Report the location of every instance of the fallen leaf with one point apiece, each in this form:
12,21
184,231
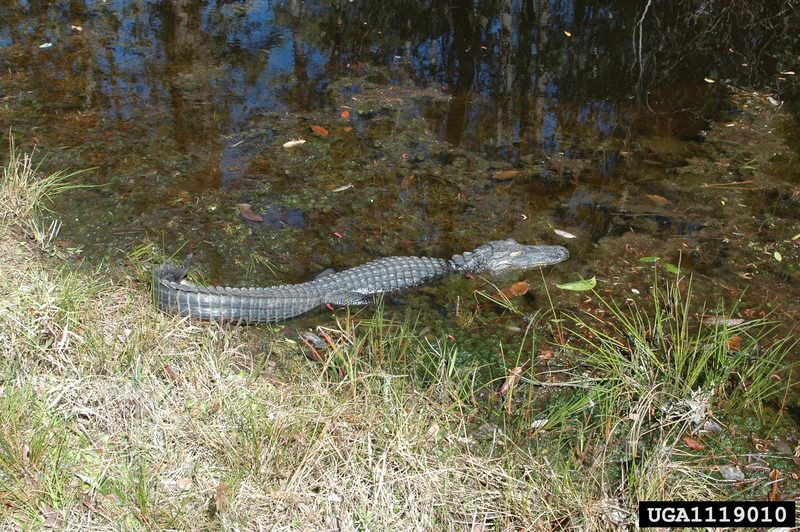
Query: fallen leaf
693,444
568,34
777,256
659,199
731,472
559,232
579,286
545,355
294,142
505,174
511,380
773,492
221,496
51,517
406,181
795,237
708,80
343,188
247,213
184,483
735,343
319,130
345,114
347,129
517,289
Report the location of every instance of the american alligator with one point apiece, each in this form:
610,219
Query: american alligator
356,286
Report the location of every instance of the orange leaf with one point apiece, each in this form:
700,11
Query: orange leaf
735,343
319,130
517,289
659,199
345,114
247,213
505,174
773,493
693,444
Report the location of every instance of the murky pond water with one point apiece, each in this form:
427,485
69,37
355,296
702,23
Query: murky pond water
430,128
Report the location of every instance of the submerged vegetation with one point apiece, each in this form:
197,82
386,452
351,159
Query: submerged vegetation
113,414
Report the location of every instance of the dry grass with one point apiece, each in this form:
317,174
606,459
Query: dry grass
113,416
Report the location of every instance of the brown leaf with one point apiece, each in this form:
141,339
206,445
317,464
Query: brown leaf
407,180
247,213
517,289
545,355
347,129
693,444
319,130
221,496
184,483
511,380
735,343
505,174
51,517
773,493
659,199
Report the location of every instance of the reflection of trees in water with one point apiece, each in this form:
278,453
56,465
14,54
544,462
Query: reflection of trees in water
514,73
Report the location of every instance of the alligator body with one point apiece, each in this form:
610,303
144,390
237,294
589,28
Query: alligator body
356,286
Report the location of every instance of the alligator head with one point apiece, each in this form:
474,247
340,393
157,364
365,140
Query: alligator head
501,256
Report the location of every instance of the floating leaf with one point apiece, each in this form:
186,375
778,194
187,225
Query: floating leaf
247,213
319,130
517,289
559,232
693,444
659,199
505,174
345,114
671,268
728,322
294,142
649,260
579,286
777,256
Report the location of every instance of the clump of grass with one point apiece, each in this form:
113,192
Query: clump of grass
644,380
26,193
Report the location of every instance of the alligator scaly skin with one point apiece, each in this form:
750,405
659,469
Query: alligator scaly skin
356,286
